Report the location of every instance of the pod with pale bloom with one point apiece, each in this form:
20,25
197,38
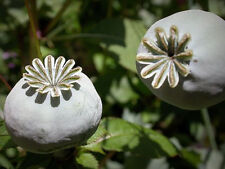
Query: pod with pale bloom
181,59
54,106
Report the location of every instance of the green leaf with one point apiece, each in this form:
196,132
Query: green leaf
1,114
2,101
47,51
11,152
53,6
5,163
98,60
5,139
132,117
19,15
217,7
97,137
121,135
121,91
87,160
122,37
192,157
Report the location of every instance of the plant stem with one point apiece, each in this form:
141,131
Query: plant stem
105,159
190,4
209,128
86,35
31,12
57,17
109,10
5,82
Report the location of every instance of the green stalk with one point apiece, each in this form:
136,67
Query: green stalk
31,13
4,81
109,10
209,129
190,4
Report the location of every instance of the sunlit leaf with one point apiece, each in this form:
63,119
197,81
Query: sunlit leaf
191,157
2,101
121,91
87,160
125,136
217,7
19,15
5,139
92,143
5,163
122,37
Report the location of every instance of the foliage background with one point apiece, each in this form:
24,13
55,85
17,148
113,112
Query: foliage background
103,36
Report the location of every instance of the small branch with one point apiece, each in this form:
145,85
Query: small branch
190,4
86,35
105,159
57,17
5,82
30,10
109,10
209,128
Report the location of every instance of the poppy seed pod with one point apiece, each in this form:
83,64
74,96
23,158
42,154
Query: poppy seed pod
54,106
181,59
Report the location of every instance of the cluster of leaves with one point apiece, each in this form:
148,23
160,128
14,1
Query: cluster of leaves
137,130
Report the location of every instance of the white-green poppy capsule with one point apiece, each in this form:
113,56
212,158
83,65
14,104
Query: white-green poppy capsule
54,106
181,59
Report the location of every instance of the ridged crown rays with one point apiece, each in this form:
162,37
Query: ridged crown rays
166,57
53,76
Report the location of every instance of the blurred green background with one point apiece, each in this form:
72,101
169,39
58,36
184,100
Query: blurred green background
103,36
